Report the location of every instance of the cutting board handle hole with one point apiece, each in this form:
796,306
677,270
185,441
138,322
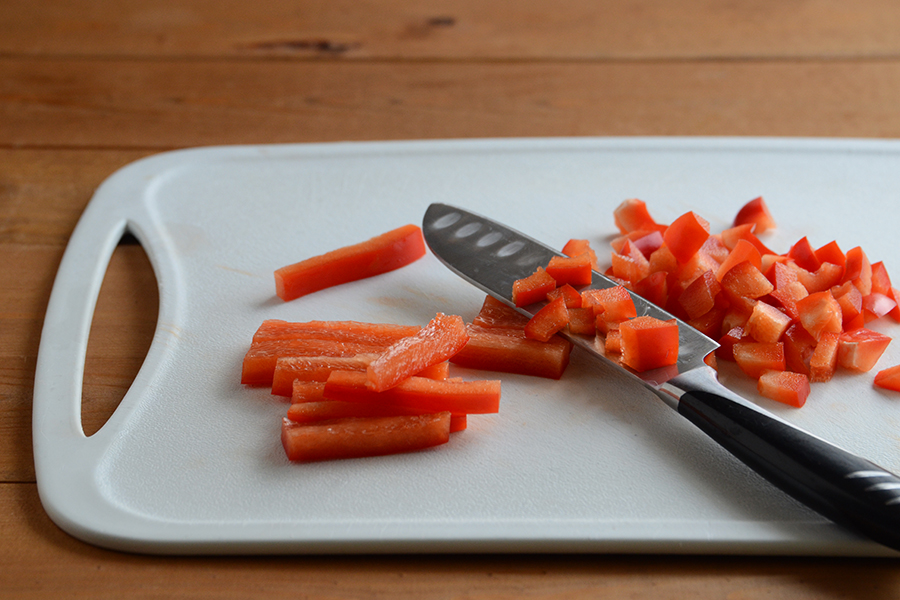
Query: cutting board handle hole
121,331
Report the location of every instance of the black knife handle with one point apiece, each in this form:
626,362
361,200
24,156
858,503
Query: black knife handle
841,486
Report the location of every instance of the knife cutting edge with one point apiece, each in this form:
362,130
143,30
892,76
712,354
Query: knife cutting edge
839,485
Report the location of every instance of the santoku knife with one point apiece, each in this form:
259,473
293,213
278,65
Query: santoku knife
841,486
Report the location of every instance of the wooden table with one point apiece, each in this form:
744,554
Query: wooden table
89,86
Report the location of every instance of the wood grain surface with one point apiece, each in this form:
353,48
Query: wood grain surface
87,87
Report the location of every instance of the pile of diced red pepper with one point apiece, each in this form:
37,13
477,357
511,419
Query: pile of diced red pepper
786,319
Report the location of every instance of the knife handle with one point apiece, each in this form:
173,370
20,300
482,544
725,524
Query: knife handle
841,486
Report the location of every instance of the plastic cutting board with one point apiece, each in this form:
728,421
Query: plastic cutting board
191,460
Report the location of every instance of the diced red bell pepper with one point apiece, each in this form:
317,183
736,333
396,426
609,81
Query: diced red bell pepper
757,214
571,296
895,296
381,254
881,281
725,351
781,275
699,297
824,360
443,337
860,349
662,260
363,437
798,348
614,303
877,305
686,235
820,313
745,280
632,215
576,247
548,321
743,251
889,378
831,253
754,358
731,236
858,269
788,296
613,342
708,258
710,323
766,323
649,343
631,265
825,277
582,321
850,300
804,255
654,288
575,270
646,242
785,387
533,288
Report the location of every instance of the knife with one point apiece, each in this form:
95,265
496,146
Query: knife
839,485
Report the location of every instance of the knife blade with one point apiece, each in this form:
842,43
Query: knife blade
843,487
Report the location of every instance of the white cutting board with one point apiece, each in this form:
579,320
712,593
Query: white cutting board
191,460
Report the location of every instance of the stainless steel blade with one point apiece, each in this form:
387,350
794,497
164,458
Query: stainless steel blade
493,256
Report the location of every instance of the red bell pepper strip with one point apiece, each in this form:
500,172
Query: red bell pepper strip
259,363
507,350
307,391
444,336
314,412
362,437
419,393
381,254
382,334
317,368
